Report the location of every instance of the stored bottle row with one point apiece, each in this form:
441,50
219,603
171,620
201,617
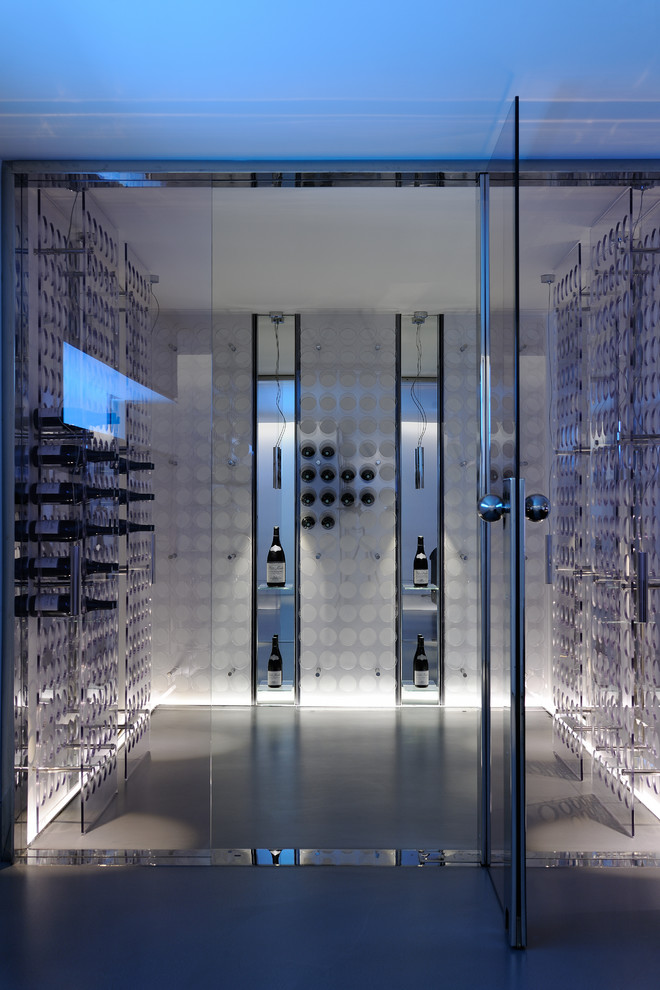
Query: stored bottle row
65,530
47,604
59,568
74,456
75,493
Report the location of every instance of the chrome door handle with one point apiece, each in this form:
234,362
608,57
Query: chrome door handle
491,508
537,508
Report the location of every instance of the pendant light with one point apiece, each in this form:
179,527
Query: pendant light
419,317
276,319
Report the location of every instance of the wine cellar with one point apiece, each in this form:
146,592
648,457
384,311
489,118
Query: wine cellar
272,509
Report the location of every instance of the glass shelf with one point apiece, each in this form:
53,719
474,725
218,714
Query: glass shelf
268,590
284,695
420,590
419,696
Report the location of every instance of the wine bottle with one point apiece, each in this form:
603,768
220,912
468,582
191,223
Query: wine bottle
275,562
347,498
308,498
126,465
327,450
44,604
308,522
49,529
125,495
327,475
58,567
347,474
327,497
327,522
367,498
307,449
67,492
420,565
120,528
275,665
420,665
308,474
69,455
367,473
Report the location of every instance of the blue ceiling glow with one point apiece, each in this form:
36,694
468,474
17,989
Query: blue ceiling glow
355,79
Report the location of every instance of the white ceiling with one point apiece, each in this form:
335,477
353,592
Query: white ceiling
297,250
352,79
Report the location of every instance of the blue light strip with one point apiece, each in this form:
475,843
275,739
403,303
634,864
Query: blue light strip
95,394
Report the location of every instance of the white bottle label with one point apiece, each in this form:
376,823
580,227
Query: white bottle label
46,603
421,678
275,573
274,678
46,527
421,575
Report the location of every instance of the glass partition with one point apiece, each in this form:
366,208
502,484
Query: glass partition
501,537
113,516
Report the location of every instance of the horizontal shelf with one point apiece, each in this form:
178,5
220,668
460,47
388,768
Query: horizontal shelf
421,696
420,589
267,590
284,695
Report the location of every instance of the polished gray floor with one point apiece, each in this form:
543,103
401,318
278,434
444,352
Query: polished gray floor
334,779
66,928
330,780
279,777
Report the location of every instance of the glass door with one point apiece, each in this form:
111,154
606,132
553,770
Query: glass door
501,494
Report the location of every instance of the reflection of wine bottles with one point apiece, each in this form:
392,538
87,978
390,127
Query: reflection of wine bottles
327,497
347,474
367,498
49,420
308,449
327,450
308,522
56,605
67,492
275,562
308,474
347,498
420,565
433,562
275,665
327,522
58,567
69,455
367,473
420,665
327,475
308,498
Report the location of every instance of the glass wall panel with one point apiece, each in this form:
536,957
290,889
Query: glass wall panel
113,515
348,562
